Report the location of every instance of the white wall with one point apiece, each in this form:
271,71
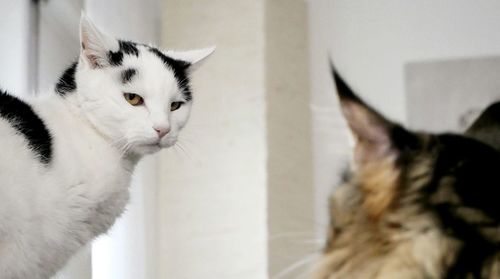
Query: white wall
212,197
15,34
238,202
289,148
370,41
58,40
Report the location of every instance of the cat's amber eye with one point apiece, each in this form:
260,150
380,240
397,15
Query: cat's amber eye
175,106
133,99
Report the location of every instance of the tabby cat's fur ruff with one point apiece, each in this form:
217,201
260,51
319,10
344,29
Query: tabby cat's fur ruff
415,205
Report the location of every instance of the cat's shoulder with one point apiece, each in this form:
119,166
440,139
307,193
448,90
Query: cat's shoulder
26,122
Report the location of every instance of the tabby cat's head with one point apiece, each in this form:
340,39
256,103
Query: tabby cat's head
414,205
136,95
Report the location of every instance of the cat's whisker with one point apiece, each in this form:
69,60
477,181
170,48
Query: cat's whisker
292,234
125,149
307,273
316,241
183,149
194,131
187,139
175,150
296,265
116,142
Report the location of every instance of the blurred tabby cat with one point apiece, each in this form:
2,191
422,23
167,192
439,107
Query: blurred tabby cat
415,205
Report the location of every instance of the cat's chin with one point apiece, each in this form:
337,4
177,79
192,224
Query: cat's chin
146,149
151,148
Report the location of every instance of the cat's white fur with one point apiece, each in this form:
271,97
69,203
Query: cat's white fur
48,212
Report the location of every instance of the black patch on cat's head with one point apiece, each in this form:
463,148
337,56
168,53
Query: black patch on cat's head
474,169
463,194
67,82
128,74
115,58
27,123
129,48
180,71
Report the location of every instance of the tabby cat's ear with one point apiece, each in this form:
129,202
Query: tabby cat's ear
193,58
486,127
95,45
371,131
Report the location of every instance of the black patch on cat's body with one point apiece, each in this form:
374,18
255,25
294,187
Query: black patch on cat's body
180,72
115,58
128,74
22,117
67,82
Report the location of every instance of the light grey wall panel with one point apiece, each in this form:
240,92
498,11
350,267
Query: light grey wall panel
449,94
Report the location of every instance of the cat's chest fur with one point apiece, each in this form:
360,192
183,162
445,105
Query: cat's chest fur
50,210
97,172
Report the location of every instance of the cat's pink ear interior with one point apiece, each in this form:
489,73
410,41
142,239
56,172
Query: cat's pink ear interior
95,45
371,131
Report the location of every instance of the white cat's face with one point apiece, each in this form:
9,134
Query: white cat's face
136,95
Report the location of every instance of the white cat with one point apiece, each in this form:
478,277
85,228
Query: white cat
67,158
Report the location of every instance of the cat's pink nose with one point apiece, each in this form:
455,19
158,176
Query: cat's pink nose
161,131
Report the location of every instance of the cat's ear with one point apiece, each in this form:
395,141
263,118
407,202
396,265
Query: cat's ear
193,58
486,127
371,131
379,143
95,45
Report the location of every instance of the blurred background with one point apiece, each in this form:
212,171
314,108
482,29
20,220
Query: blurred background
245,195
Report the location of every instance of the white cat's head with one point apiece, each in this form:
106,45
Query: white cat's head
134,94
